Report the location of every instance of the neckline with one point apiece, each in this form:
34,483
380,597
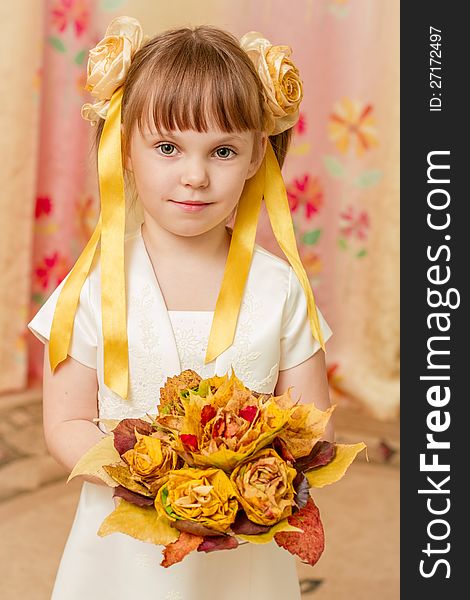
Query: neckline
150,264
190,312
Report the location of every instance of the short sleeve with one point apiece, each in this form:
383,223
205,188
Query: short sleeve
83,345
297,341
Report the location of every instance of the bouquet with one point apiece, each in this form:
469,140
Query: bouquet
218,466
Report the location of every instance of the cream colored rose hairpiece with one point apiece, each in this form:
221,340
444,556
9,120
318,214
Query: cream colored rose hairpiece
282,85
108,66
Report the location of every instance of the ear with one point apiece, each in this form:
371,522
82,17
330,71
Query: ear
259,150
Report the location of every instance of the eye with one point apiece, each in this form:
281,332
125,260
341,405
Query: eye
226,152
165,148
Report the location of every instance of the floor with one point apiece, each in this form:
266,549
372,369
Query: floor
360,514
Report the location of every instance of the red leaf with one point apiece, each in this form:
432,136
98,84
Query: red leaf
176,551
207,413
322,454
218,427
281,448
189,440
124,434
243,525
133,497
302,490
220,542
194,528
309,545
248,413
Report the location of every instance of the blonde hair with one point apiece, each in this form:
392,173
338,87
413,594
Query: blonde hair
190,78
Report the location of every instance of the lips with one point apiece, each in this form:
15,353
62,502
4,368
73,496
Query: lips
191,205
190,202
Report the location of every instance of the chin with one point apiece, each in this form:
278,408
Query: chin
191,230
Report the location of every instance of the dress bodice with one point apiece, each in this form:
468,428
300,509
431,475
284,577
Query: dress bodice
191,330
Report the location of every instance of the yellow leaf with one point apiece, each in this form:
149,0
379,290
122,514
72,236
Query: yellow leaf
334,471
264,538
141,523
110,424
305,427
92,462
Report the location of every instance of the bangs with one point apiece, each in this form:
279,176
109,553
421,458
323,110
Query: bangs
196,85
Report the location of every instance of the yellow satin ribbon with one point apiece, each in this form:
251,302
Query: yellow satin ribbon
268,181
277,205
64,314
113,282
111,230
237,267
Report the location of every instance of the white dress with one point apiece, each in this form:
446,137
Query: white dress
272,334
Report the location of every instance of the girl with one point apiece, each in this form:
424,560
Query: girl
205,122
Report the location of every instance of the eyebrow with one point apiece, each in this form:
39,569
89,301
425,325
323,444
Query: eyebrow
225,138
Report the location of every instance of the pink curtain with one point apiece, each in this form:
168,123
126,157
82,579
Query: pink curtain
341,173
66,198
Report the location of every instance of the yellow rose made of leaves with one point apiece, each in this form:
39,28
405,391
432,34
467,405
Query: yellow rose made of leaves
263,486
150,460
281,80
204,496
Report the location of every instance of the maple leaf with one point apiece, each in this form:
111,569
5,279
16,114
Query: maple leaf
309,545
176,551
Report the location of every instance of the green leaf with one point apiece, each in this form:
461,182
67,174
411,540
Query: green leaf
78,60
311,237
38,299
368,178
334,167
361,253
342,244
57,43
166,506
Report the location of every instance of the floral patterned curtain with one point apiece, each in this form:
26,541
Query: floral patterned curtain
341,173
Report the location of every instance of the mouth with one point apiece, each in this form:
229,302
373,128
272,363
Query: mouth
190,202
191,205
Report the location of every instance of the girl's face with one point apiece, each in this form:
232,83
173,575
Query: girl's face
190,182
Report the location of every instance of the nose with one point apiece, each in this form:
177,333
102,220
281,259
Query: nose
194,173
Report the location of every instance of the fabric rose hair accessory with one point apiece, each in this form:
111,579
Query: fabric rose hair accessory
108,64
280,77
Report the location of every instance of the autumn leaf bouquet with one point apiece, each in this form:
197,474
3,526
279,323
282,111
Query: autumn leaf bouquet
219,465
